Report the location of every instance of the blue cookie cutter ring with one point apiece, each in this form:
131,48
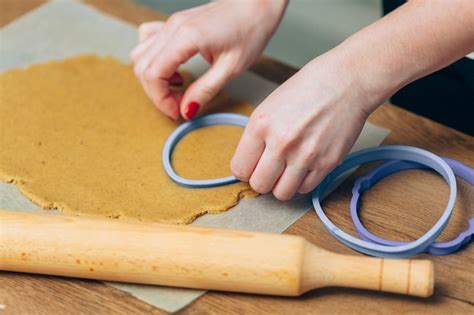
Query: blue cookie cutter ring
183,130
392,152
385,169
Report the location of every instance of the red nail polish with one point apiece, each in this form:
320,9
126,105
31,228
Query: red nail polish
191,110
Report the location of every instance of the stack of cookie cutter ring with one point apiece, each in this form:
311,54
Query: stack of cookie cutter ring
370,244
386,248
368,180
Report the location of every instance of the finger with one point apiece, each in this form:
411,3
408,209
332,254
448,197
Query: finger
145,86
158,69
269,169
248,152
135,58
167,60
203,90
148,29
148,56
164,98
142,48
176,80
312,179
141,63
157,90
289,182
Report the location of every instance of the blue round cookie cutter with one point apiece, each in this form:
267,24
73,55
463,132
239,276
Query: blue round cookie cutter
365,182
183,130
391,152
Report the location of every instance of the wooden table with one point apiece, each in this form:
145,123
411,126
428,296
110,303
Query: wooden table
407,204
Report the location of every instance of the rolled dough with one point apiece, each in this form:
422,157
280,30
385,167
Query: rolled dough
80,136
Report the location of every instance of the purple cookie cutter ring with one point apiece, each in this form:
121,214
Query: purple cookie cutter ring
368,180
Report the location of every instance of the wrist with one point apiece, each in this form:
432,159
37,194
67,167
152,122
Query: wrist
274,6
272,9
339,76
378,75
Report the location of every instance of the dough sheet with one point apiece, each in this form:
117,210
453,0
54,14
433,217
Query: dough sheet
81,136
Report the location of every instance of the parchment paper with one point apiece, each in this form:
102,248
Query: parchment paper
60,29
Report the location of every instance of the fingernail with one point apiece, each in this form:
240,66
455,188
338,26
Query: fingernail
191,110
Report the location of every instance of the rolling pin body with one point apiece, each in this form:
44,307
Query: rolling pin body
193,257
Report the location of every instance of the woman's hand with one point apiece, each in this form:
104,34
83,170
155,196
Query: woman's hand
303,129
306,127
230,35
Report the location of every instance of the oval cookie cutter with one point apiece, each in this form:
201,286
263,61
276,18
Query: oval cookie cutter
183,130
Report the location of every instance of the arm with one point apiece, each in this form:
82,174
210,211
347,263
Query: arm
415,40
306,127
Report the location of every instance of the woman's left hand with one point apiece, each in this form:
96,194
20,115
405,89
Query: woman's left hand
303,129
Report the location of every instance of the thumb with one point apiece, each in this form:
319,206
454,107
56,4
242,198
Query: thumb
200,93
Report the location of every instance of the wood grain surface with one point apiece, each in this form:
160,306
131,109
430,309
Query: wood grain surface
400,207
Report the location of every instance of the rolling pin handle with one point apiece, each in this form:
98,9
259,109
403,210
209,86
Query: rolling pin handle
404,276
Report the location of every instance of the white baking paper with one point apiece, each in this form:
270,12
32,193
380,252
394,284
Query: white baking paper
60,29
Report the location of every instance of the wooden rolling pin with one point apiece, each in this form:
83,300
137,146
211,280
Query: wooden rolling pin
194,257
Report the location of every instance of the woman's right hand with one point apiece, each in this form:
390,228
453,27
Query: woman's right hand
230,35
